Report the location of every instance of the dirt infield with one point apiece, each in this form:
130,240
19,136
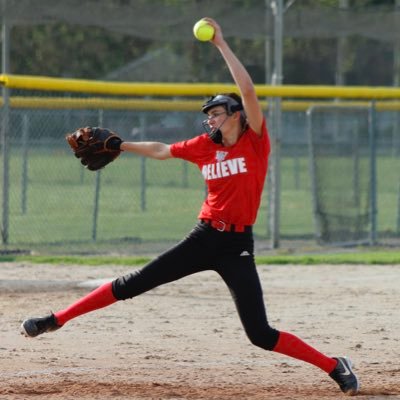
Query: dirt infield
184,340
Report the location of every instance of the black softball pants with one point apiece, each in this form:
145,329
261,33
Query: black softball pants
230,254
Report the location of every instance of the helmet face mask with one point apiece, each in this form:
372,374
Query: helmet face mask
231,106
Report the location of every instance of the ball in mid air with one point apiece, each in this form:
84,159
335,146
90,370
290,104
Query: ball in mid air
203,31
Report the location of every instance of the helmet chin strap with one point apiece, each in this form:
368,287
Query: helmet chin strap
214,134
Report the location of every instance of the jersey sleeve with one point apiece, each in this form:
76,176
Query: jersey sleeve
189,150
261,144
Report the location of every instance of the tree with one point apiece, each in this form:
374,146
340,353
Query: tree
71,51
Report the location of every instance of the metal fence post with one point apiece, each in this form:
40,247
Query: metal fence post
25,147
277,8
373,186
4,129
317,227
142,165
185,174
97,190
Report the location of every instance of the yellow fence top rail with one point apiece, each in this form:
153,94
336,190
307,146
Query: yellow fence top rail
96,103
192,89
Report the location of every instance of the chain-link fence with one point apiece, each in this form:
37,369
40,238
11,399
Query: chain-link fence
141,205
343,174
51,202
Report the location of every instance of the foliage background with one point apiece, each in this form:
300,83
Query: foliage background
93,49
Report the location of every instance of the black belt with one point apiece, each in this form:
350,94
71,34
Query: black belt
225,227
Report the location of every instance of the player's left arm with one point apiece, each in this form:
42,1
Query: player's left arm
242,79
156,150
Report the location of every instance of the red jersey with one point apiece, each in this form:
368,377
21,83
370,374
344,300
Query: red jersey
234,175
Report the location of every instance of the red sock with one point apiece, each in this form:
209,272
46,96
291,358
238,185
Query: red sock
292,346
99,298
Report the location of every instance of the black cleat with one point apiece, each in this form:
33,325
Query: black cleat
344,376
33,327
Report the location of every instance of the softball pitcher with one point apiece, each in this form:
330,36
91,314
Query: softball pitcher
232,155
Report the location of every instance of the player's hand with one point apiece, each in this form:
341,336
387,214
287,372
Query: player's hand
218,36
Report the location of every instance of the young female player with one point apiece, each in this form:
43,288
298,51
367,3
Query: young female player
233,157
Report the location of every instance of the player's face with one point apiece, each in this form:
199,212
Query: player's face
216,116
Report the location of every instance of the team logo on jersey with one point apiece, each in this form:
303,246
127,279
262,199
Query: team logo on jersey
220,155
224,168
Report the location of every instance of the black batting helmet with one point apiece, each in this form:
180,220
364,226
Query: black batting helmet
231,105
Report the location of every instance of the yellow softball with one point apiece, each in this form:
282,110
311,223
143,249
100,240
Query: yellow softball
203,31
